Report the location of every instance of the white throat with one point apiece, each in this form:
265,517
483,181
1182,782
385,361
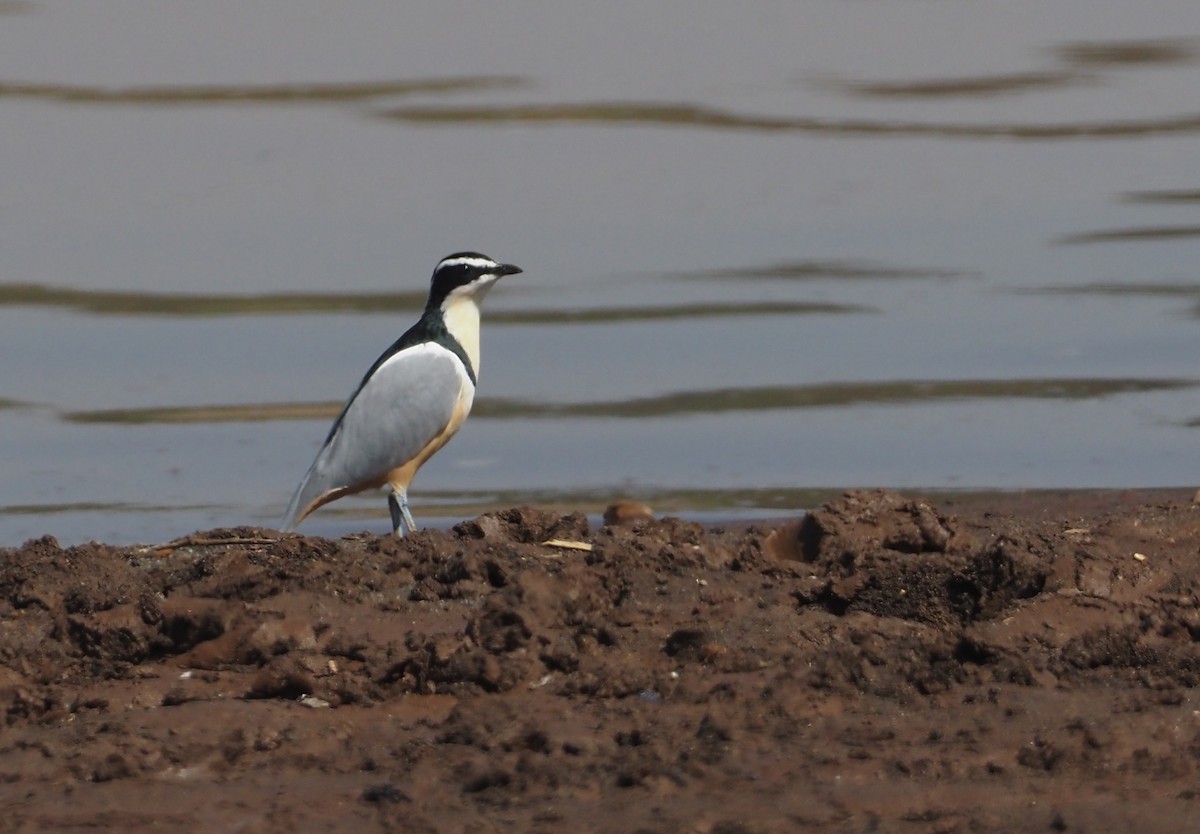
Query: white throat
460,312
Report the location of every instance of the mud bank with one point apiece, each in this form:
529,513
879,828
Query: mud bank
887,663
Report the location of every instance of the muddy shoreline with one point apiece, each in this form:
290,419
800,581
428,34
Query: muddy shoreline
1013,662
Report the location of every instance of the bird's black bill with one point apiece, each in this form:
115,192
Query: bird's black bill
508,269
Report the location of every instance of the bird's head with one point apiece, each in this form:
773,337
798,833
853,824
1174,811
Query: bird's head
465,275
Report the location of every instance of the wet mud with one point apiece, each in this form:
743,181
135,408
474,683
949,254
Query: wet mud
1021,662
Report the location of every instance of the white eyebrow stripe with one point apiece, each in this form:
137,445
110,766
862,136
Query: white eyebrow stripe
482,263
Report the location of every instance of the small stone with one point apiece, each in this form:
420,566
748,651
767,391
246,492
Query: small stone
627,511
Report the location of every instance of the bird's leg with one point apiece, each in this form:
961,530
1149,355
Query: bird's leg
394,509
398,506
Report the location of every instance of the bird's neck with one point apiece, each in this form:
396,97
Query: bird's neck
461,316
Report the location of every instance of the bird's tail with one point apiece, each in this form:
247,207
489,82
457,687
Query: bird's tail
302,503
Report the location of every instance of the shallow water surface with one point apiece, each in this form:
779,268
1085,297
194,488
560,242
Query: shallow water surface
768,251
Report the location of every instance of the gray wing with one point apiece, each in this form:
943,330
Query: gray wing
397,411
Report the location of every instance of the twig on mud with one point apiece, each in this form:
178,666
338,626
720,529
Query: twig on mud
209,541
568,544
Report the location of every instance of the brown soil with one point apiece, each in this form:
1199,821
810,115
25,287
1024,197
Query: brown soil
1009,663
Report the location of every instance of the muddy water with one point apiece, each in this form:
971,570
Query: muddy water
768,250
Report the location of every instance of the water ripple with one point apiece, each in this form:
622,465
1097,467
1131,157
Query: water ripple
690,115
821,270
980,85
1132,234
713,401
299,93
1146,52
136,303
1157,197
833,394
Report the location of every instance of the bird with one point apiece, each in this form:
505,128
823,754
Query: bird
411,401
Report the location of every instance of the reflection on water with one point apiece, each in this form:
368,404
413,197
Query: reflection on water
698,116
278,304
844,394
1082,60
257,94
1184,290
1144,233
1162,197
208,413
83,507
1088,56
680,403
119,303
821,270
1126,289
1151,52
615,315
984,85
